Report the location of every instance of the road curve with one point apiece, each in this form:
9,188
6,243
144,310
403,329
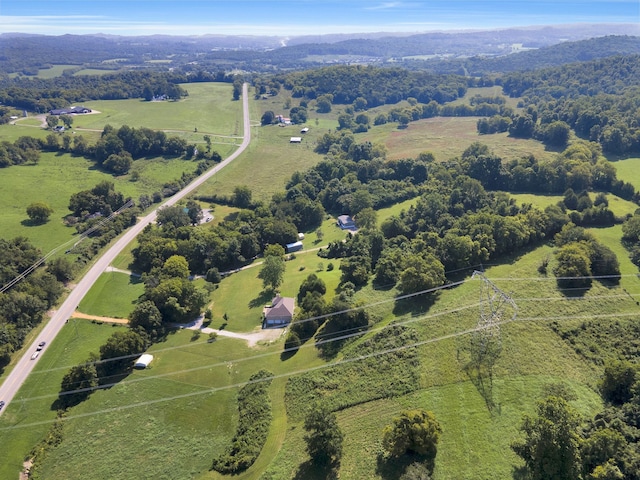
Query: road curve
25,365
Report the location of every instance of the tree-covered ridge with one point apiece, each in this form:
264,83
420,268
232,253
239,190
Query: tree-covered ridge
614,75
376,85
598,99
544,57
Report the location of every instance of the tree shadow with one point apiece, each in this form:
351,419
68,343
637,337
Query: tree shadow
520,473
569,289
310,471
415,306
27,222
392,468
263,298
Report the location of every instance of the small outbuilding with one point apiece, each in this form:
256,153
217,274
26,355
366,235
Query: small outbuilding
143,361
293,247
304,130
295,140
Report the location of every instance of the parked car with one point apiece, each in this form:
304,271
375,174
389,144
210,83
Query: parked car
1,404
41,346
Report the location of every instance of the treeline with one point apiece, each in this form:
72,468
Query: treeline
377,86
115,151
598,99
579,167
42,95
24,305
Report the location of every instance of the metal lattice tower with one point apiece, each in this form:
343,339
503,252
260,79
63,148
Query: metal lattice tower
495,307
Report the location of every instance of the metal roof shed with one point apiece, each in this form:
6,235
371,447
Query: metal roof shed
143,361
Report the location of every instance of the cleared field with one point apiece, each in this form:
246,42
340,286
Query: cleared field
56,177
200,423
113,295
208,109
447,138
628,171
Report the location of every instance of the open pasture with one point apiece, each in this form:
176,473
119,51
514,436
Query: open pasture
208,110
55,178
628,169
29,417
447,138
188,394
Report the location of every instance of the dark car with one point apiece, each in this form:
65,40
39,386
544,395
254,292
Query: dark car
41,345
1,404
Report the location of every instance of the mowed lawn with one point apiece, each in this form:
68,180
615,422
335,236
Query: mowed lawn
209,109
113,295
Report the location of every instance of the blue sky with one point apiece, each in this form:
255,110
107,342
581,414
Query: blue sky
299,17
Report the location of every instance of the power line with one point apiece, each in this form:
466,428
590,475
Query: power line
83,235
296,372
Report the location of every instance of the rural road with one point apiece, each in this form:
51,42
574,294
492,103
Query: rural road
25,365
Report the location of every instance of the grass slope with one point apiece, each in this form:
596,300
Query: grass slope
113,295
28,417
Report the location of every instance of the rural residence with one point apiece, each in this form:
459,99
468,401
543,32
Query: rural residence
279,313
345,222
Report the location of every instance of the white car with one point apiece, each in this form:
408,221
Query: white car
35,355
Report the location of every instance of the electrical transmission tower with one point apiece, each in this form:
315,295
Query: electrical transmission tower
495,308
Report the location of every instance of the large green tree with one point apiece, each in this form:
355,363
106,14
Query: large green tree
324,437
551,444
272,272
39,212
413,431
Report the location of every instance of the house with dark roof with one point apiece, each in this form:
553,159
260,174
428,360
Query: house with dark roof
279,313
345,222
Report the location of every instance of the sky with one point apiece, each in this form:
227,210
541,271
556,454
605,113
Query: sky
299,17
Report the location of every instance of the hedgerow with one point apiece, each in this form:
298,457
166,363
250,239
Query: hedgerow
254,407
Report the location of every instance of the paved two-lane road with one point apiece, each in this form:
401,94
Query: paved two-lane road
25,365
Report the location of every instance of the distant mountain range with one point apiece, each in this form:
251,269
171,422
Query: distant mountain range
23,53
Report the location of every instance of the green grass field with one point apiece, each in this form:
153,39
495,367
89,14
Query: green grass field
533,357
113,295
627,170
56,177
